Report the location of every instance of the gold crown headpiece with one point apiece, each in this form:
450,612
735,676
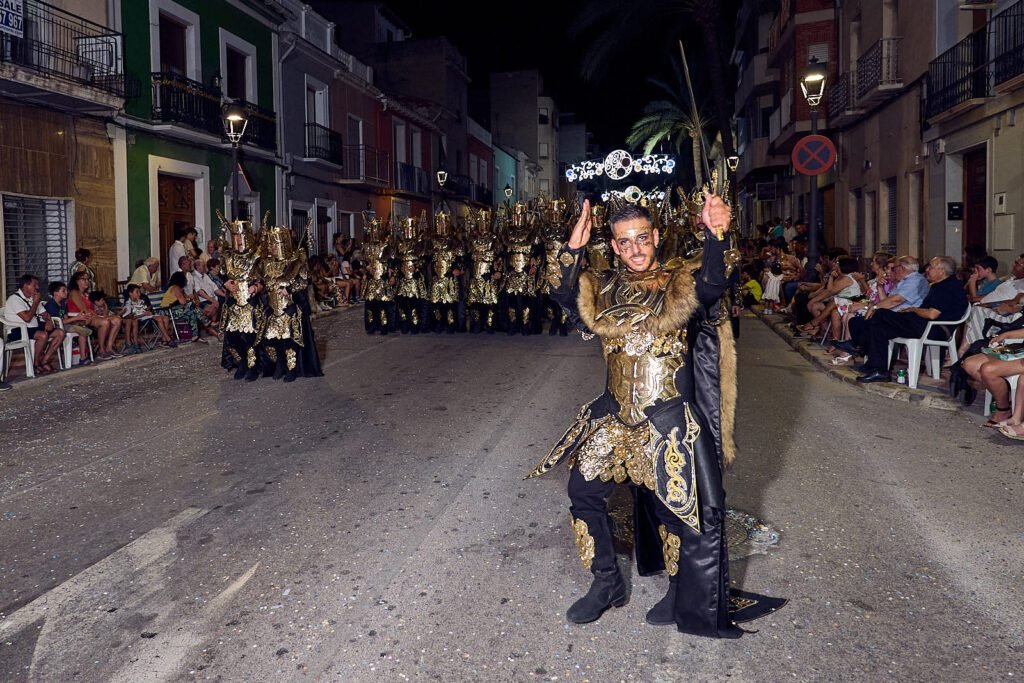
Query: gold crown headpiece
280,242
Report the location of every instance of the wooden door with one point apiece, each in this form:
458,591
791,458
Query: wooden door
177,204
975,196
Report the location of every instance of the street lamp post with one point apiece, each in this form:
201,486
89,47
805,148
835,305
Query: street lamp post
813,86
235,123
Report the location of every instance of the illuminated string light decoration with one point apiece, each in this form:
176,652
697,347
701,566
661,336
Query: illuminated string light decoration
619,165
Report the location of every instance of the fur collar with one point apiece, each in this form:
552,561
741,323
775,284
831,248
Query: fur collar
680,304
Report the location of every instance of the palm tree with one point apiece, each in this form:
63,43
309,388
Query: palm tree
612,26
666,121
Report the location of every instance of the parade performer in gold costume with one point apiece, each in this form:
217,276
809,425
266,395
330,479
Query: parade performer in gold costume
664,422
519,286
553,234
411,292
244,317
284,270
379,292
445,291
483,289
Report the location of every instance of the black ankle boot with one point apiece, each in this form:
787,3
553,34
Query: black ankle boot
279,370
252,374
240,372
663,613
608,590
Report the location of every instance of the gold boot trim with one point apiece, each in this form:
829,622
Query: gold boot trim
290,358
584,541
670,549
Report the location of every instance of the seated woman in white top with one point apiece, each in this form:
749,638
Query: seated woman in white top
832,301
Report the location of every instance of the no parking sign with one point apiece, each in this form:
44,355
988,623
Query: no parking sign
813,155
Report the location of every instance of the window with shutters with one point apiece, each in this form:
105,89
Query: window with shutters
889,244
35,239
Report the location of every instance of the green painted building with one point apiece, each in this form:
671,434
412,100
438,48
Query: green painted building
189,58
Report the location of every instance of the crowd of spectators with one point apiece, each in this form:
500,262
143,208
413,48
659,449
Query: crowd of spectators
854,309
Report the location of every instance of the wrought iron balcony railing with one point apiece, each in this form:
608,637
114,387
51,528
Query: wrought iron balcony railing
60,44
177,99
324,143
366,164
959,75
411,178
1008,44
879,67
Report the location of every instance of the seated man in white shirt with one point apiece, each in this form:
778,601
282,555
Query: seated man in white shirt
1003,304
26,306
147,276
205,290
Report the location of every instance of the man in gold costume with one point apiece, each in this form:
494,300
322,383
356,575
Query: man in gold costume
664,422
519,286
379,292
285,273
445,292
411,292
553,236
244,317
483,288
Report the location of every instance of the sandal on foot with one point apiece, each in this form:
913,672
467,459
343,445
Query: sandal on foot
993,423
1010,433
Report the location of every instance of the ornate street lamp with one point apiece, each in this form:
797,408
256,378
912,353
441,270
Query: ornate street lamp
442,178
733,162
235,123
812,83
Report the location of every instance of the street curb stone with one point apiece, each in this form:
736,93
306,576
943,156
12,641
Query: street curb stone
817,357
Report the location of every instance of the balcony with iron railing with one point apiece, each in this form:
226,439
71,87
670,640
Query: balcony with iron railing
324,144
959,78
60,50
878,72
364,165
1007,30
842,100
181,100
781,31
409,178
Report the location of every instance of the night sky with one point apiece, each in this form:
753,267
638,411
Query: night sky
532,34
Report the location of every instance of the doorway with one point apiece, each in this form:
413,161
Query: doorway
975,197
177,210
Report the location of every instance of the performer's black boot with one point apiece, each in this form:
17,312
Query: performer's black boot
663,613
240,371
252,374
289,376
279,366
607,590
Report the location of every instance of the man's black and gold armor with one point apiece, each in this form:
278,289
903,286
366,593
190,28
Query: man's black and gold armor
553,235
411,291
445,291
285,273
482,297
379,292
664,423
519,285
244,315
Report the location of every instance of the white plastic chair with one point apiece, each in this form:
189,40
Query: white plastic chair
915,348
65,352
26,344
1012,380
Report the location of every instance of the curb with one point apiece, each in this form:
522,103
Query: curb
139,361
817,357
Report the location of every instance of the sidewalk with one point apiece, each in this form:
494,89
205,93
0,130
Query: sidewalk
930,393
135,362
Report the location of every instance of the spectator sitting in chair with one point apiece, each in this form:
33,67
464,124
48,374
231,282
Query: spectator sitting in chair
946,301
909,291
99,304
136,309
57,307
182,306
212,252
81,265
147,275
106,328
1003,304
206,291
25,306
841,287
983,279
991,372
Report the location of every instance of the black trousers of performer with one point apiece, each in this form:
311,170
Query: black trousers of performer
702,598
411,318
559,319
520,312
237,346
444,317
379,316
483,318
873,335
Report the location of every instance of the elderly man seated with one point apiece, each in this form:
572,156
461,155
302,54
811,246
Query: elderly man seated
909,292
26,306
1002,304
147,275
205,290
946,300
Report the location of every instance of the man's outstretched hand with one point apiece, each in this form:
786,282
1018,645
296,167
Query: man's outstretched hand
580,235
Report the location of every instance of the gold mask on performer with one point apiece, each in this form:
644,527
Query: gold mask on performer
241,236
280,244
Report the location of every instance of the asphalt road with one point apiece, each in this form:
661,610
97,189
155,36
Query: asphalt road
161,522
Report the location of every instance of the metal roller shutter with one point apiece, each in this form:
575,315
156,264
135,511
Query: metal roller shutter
35,239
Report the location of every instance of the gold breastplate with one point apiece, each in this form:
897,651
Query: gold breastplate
641,366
